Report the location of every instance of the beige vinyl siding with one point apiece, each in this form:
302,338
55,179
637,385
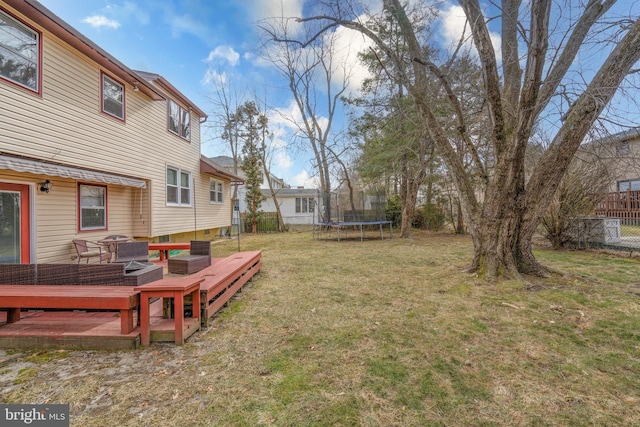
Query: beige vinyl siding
66,125
56,219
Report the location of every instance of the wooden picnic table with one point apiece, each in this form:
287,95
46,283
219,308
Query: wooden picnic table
165,248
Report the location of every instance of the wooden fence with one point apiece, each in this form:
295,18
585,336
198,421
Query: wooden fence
267,223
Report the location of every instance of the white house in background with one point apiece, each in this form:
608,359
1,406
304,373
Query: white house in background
226,163
298,206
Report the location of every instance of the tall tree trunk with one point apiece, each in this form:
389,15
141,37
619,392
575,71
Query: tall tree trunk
460,222
409,197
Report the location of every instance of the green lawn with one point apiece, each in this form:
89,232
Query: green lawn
374,333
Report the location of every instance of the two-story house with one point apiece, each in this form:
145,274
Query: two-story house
90,147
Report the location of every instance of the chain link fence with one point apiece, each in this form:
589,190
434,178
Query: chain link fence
616,224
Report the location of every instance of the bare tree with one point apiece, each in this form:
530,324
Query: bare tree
503,221
311,75
226,100
266,153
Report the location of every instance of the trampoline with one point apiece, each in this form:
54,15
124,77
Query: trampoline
337,226
365,210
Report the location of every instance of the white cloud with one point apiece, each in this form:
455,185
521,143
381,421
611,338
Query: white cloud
454,23
281,160
225,52
185,24
347,45
303,179
100,21
213,77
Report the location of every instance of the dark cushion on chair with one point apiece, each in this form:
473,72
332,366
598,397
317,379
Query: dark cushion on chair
132,251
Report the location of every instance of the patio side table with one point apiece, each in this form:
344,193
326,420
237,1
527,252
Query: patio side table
177,289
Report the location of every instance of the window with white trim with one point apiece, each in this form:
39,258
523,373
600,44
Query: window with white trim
216,191
178,187
179,120
112,97
304,204
19,53
93,207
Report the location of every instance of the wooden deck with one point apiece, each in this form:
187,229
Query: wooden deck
624,205
83,330
99,329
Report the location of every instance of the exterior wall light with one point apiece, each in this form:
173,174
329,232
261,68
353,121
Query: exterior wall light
46,186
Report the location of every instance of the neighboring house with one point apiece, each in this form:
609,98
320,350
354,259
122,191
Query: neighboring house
89,147
226,163
624,148
621,152
298,206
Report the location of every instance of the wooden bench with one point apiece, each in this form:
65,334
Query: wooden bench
79,297
199,258
224,278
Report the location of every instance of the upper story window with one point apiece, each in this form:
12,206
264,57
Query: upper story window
19,53
179,120
178,187
216,191
93,207
112,97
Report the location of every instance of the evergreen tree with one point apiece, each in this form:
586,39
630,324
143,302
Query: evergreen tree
252,123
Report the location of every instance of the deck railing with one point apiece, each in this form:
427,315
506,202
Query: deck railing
624,205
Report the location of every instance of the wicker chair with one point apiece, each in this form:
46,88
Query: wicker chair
199,258
201,247
88,250
132,251
112,246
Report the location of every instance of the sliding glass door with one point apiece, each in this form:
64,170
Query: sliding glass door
14,224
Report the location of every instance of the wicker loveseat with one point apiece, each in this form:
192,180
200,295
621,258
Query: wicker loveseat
76,274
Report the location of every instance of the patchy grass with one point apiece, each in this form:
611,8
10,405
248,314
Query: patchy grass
629,230
375,333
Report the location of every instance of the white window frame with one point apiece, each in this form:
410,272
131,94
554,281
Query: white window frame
182,119
304,205
179,187
216,191
32,55
104,81
82,208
